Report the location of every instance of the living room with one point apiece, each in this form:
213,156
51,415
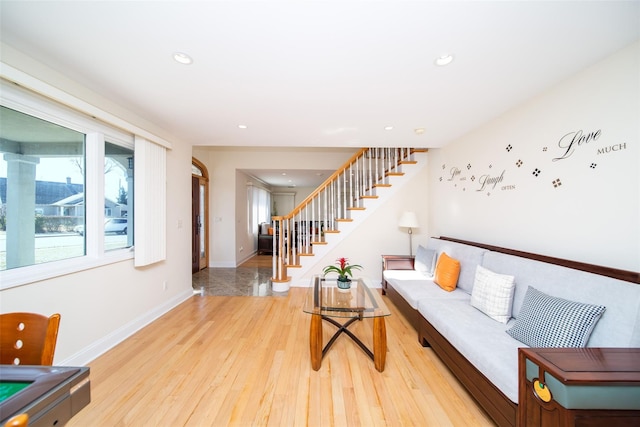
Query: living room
557,174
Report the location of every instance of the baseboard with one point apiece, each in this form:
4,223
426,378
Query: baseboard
104,344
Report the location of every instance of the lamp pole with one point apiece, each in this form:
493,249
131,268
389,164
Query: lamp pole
410,221
410,243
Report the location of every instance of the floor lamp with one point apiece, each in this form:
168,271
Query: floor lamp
410,221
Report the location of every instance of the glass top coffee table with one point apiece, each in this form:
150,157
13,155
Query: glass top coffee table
325,301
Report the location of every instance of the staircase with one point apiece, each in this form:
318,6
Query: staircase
335,204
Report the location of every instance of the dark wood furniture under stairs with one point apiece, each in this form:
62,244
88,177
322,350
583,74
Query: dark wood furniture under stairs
265,244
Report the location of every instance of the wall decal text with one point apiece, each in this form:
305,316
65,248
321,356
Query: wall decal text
487,180
612,148
454,172
572,140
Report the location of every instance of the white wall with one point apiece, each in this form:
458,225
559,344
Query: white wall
102,306
593,216
301,193
226,204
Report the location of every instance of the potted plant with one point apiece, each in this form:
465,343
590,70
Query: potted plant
343,269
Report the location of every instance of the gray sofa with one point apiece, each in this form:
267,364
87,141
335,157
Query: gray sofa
476,347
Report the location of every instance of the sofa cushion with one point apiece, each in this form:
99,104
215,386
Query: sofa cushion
414,291
619,326
492,294
480,339
399,275
547,321
425,261
469,256
447,272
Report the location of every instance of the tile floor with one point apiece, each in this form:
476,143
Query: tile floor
249,279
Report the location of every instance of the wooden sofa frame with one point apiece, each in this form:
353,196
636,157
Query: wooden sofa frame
497,405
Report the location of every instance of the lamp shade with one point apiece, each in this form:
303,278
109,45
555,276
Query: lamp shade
409,220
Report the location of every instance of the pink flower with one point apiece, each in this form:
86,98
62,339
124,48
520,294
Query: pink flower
343,268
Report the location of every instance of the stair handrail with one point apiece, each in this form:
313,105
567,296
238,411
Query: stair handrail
325,184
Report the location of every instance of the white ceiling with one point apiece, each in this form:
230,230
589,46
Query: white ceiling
291,178
318,74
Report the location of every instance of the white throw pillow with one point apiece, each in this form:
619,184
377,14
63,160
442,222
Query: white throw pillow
493,294
425,261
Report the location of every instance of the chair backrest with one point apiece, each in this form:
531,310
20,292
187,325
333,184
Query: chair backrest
28,338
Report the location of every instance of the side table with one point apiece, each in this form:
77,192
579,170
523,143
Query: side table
578,386
395,262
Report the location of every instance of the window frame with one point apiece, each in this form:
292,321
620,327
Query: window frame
97,132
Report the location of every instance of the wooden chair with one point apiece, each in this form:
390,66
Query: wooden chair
21,420
28,338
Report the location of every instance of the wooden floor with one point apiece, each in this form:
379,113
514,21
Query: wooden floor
244,361
260,261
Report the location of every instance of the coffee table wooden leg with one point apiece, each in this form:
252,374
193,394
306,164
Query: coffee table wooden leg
379,343
315,341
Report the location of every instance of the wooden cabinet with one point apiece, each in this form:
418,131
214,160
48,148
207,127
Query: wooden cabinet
265,244
395,262
579,387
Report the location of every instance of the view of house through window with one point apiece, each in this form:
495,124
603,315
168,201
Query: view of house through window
43,170
41,191
118,197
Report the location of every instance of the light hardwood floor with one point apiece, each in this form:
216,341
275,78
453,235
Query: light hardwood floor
244,361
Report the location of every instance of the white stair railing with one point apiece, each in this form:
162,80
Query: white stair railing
321,212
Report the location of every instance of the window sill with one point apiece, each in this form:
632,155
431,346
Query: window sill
26,275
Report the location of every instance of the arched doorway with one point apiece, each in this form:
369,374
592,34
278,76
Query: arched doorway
199,216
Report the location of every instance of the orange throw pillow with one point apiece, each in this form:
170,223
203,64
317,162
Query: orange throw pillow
447,272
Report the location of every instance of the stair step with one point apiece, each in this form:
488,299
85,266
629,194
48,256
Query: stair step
356,208
407,162
331,231
318,243
305,254
368,197
394,174
344,220
293,266
382,185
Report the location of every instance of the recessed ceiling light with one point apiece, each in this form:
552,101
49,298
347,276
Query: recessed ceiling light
419,131
242,126
182,58
388,127
443,60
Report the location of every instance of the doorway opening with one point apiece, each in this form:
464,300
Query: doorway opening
199,216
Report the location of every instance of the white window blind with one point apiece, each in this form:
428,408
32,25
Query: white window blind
150,188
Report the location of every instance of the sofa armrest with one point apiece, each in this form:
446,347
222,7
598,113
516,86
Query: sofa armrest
395,262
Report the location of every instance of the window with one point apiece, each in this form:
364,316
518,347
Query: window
118,205
258,209
66,189
41,191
